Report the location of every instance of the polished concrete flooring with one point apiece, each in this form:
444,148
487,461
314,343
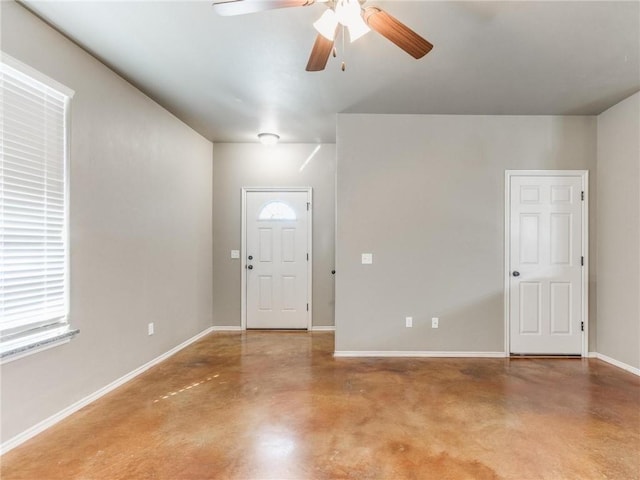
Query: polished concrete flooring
277,405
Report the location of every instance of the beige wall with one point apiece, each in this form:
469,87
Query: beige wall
425,195
619,232
238,165
140,231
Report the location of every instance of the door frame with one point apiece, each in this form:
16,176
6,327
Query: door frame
243,249
584,175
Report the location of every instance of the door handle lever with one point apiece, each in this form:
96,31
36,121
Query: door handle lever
516,273
250,267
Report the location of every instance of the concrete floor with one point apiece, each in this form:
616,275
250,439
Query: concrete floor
277,405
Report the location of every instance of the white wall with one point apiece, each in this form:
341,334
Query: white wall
238,165
140,230
425,195
619,232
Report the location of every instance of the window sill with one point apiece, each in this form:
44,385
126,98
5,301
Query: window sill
35,343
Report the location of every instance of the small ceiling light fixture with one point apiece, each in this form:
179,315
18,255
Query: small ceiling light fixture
268,138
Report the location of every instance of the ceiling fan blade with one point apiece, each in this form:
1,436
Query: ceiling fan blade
241,7
397,32
319,54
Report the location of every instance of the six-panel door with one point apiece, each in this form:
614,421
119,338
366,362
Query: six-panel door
276,259
545,294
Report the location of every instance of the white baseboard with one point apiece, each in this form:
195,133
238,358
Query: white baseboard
427,354
61,415
618,363
235,328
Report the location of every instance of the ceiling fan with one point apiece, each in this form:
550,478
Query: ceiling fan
350,14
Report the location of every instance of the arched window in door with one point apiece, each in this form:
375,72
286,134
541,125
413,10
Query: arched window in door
277,211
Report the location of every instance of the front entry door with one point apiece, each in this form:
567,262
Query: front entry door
277,257
545,264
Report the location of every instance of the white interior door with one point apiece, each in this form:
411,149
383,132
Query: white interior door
545,265
277,257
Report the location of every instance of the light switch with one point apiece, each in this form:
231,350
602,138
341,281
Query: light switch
235,253
367,258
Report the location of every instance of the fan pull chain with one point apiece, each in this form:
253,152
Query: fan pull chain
344,65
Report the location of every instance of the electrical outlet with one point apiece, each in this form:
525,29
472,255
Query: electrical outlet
367,258
150,329
235,253
434,322
408,322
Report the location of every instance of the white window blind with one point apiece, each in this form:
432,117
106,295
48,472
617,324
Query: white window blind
33,211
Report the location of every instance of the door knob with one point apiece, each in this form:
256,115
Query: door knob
250,267
516,273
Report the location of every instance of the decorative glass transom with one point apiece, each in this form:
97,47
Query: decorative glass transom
277,211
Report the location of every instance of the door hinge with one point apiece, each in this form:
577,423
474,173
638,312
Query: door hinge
307,307
308,206
582,195
582,326
582,261
307,257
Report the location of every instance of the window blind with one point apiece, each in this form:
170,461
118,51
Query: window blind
33,207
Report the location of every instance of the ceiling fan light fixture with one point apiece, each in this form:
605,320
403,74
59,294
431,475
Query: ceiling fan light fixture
268,138
326,24
349,14
357,29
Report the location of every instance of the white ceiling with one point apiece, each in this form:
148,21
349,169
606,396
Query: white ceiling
231,77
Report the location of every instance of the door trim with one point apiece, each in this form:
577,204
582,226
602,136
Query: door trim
243,249
584,175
